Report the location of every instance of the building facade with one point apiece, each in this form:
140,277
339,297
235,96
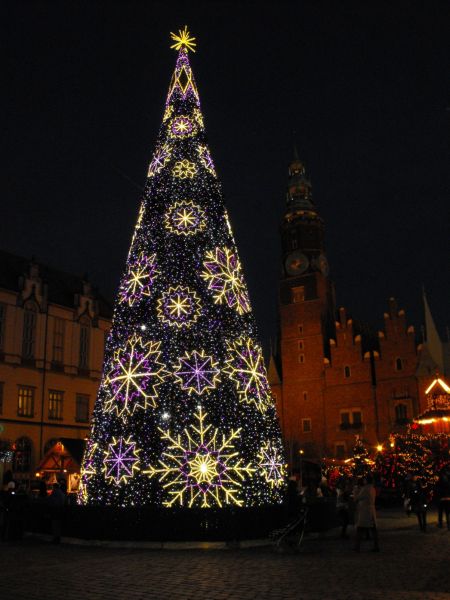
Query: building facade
333,377
52,335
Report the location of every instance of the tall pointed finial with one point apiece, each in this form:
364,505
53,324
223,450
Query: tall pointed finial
183,40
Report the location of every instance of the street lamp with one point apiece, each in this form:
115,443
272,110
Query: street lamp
301,452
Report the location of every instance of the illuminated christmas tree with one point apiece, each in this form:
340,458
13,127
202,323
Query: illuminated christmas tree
184,414
361,464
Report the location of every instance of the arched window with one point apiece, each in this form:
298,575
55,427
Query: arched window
22,455
398,364
29,330
401,412
85,336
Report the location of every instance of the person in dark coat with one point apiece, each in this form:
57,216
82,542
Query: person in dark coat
56,502
418,499
442,494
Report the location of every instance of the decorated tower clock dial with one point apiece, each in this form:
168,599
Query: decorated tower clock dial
296,263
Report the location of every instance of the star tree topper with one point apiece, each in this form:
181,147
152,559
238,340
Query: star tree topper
183,40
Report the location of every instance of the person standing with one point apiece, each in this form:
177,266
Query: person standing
366,519
56,501
443,497
419,502
343,506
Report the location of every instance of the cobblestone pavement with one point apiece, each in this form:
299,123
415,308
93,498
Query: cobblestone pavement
410,566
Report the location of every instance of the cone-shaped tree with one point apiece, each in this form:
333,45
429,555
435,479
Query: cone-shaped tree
184,414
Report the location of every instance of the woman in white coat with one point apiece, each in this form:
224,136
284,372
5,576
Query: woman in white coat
366,518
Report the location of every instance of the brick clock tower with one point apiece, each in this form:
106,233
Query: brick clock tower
336,378
306,304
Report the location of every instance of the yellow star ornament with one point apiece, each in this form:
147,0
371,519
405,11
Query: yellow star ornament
183,40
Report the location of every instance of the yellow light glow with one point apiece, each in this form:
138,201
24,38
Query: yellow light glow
183,40
380,448
439,381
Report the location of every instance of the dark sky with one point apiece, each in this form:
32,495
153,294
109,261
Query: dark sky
364,85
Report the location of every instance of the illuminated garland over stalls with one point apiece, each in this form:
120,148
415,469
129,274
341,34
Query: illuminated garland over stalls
184,414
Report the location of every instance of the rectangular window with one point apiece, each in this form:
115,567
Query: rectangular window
82,408
84,346
398,364
300,328
305,396
306,424
301,358
58,340
357,417
55,405
347,371
2,325
25,401
301,344
345,418
340,450
29,331
2,385
298,294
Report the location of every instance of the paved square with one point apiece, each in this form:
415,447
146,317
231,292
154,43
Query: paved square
410,566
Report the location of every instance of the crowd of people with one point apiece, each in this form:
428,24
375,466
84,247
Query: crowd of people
355,502
15,503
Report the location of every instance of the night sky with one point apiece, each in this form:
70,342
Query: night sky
363,87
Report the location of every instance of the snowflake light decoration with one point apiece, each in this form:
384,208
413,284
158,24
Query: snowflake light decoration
160,160
199,118
181,127
185,218
87,471
272,465
197,372
245,367
201,467
134,377
184,169
139,279
121,460
206,160
224,277
179,306
168,112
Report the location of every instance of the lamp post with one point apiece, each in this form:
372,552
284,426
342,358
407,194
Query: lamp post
301,468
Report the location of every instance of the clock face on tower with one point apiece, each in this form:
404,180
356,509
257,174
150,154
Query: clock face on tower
296,263
323,264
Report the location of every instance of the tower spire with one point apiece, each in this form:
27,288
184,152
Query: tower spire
432,338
